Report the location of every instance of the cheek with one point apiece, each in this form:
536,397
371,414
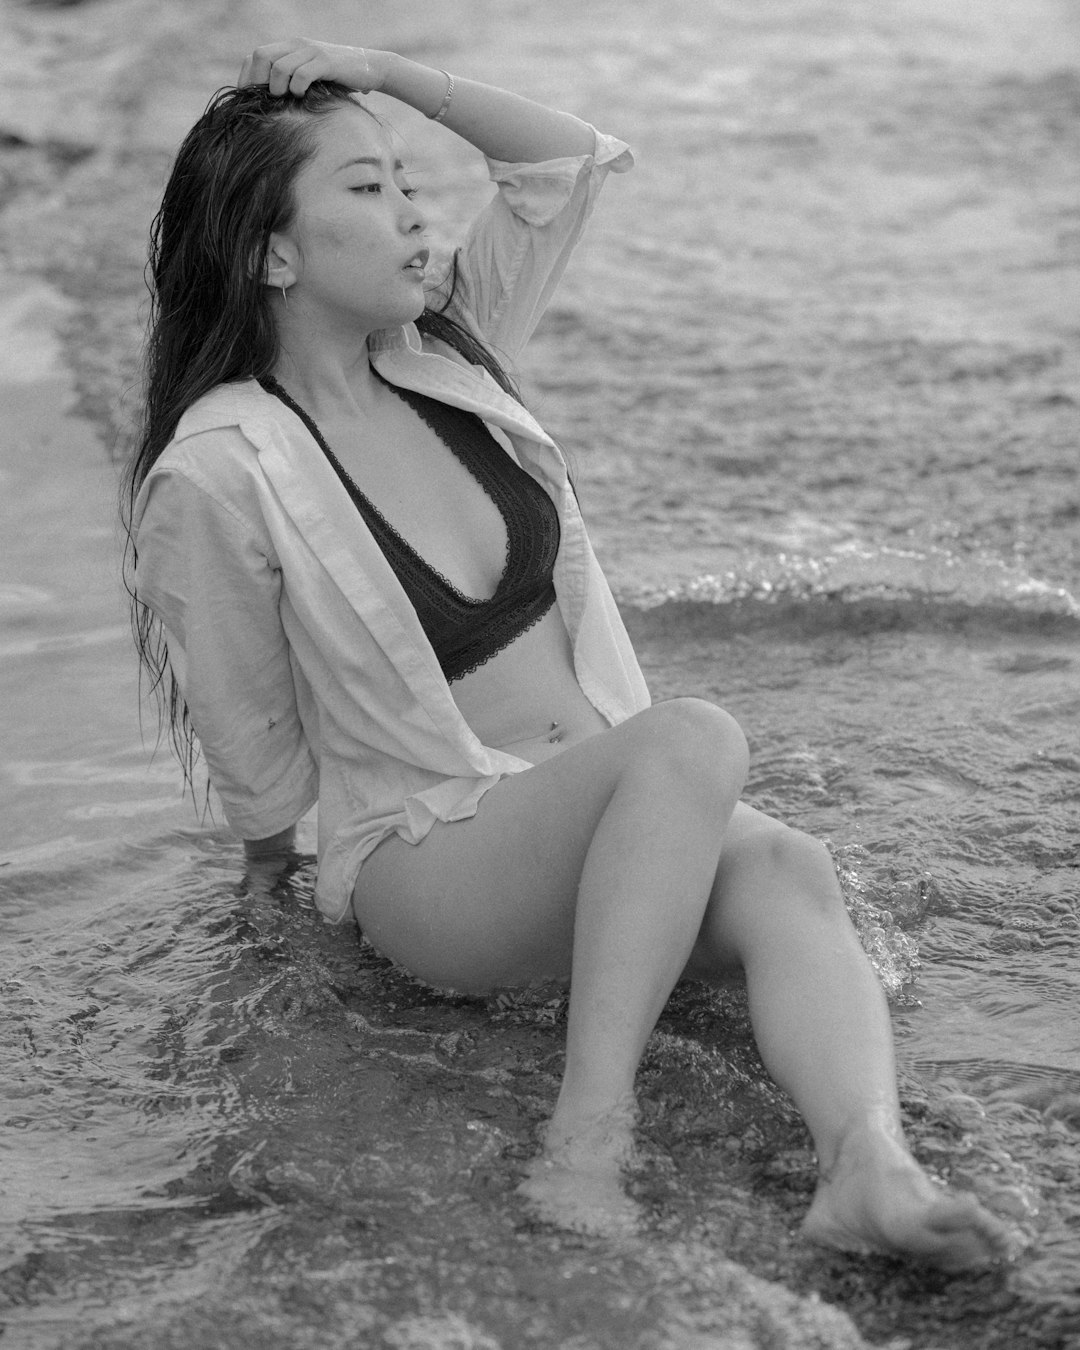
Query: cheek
329,233
328,237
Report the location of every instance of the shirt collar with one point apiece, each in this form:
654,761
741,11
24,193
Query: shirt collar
387,339
398,355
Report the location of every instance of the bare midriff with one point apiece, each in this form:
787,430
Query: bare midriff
526,700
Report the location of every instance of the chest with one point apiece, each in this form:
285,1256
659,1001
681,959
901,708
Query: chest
436,500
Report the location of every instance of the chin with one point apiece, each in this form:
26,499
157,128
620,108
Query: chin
406,314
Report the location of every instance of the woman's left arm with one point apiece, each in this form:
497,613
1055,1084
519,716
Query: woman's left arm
501,125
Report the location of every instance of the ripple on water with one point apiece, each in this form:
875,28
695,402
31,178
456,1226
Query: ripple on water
195,1055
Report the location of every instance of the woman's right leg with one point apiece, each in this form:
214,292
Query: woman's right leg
596,865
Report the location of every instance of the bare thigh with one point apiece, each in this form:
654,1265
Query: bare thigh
489,902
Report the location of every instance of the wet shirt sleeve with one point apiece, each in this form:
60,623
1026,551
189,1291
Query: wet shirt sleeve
213,583
518,248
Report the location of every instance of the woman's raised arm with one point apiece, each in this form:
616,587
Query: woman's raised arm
501,125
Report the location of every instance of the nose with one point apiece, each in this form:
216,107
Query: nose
413,219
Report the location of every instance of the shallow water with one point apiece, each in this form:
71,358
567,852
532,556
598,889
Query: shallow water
938,751
817,368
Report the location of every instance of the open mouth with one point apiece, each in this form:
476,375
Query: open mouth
419,262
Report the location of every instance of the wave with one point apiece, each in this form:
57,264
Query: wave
858,589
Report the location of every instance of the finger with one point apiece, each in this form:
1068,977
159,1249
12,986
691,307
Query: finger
244,78
262,59
347,65
305,74
282,72
297,69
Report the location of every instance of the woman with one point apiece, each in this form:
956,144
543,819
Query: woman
374,589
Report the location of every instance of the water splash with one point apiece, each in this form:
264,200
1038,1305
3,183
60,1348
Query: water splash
881,908
932,585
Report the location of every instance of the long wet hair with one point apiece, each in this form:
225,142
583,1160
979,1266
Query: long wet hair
231,187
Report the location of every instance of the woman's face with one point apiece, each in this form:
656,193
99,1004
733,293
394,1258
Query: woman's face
356,243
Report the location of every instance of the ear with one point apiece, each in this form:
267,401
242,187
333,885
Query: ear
281,269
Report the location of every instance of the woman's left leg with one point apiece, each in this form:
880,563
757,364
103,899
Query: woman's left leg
822,1025
819,1013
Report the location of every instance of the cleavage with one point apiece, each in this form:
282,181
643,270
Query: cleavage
429,497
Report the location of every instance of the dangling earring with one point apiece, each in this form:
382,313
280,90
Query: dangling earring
284,295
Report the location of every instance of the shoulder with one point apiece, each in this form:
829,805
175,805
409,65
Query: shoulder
232,416
212,461
217,442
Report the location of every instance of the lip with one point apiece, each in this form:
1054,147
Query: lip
418,261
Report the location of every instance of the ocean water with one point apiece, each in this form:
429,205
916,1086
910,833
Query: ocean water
817,368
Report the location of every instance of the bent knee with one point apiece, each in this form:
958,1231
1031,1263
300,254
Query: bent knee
798,863
700,729
700,744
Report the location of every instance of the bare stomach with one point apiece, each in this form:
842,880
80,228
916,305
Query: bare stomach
526,699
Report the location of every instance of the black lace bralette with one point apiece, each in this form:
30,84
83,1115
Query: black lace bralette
463,631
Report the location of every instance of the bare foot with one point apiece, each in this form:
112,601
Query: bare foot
877,1198
592,1202
576,1182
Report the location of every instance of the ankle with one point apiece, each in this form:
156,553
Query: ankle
870,1139
583,1130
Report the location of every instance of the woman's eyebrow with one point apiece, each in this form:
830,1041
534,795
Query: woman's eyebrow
374,160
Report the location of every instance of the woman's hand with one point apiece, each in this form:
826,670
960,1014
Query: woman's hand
289,67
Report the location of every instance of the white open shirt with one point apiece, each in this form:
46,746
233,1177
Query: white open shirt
304,667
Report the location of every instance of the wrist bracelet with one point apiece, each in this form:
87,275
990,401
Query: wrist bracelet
438,117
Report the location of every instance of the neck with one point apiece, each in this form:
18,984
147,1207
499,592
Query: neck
325,373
